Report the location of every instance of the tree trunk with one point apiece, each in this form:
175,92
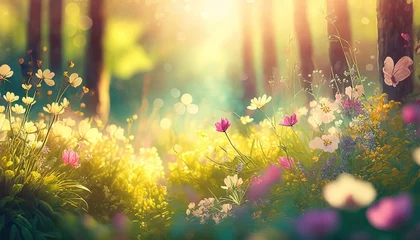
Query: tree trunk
342,28
269,45
56,12
34,29
249,78
97,79
304,39
395,17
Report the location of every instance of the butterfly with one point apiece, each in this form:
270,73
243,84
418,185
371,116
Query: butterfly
395,73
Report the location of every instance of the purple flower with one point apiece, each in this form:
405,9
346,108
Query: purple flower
289,121
260,187
411,113
71,158
318,223
287,163
223,125
391,212
352,107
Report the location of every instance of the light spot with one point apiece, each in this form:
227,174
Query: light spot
369,67
186,99
192,109
158,103
175,93
72,9
85,23
165,123
372,57
79,41
179,108
365,20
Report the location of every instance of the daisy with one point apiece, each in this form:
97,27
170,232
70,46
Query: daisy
356,92
328,143
258,103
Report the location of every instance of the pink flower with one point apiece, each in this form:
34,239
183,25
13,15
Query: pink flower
411,113
71,158
223,125
406,36
289,121
260,187
391,212
287,163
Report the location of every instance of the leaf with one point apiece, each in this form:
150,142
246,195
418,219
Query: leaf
14,233
22,221
52,235
26,234
46,206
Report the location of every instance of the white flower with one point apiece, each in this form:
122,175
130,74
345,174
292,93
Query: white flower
303,111
347,192
323,112
356,92
328,143
258,103
54,109
232,182
28,100
10,97
226,208
47,76
246,119
5,72
18,109
75,80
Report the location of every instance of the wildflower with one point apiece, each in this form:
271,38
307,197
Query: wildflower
323,112
258,103
5,72
289,121
85,89
10,97
65,103
391,212
411,113
352,107
287,163
75,80
260,187
28,100
226,208
317,224
347,192
47,76
191,205
54,109
246,119
30,127
18,109
303,111
223,125
356,92
71,158
27,87
2,109
232,182
416,155
87,133
45,150
69,122
328,143
115,132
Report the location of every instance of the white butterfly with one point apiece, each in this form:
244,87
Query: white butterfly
395,73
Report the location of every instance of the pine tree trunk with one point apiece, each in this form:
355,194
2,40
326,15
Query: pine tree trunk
97,79
340,12
56,12
269,44
395,17
34,29
304,39
249,78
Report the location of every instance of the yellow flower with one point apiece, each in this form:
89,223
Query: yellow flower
18,109
416,155
26,86
54,109
65,103
232,182
59,129
28,100
246,119
258,103
2,108
30,127
69,122
10,97
75,80
87,133
115,132
47,76
5,72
